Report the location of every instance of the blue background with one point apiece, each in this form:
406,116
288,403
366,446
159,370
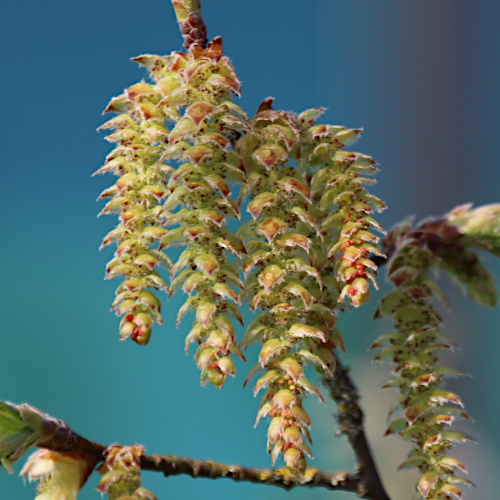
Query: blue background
422,78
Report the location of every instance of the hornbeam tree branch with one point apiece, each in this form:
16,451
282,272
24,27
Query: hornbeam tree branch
283,478
351,419
191,24
36,428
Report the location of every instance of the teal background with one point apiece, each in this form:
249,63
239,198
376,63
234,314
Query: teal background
422,78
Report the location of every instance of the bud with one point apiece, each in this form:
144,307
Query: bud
60,475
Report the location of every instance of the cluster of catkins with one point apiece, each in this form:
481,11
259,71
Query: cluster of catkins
422,412
303,244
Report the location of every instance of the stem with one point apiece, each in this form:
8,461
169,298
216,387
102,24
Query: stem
59,437
350,418
283,478
191,24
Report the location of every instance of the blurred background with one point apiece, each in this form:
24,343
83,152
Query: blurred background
421,78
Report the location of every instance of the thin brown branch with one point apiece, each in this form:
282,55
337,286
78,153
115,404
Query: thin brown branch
58,436
283,478
191,24
350,418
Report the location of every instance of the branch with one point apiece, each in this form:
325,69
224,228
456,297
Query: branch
22,426
350,418
283,478
191,24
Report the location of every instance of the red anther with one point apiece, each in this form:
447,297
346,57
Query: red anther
348,215
360,266
140,332
352,291
359,220
129,317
